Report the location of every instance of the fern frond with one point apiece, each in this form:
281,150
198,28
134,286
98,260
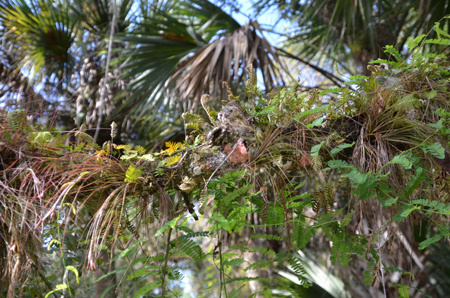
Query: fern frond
237,193
292,291
194,118
316,206
250,84
172,147
140,150
193,126
316,162
133,174
124,147
264,211
342,181
229,92
175,274
198,234
267,237
148,157
247,279
148,287
15,118
329,195
318,200
260,264
172,160
212,116
190,248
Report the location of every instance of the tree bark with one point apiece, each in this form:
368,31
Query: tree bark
108,283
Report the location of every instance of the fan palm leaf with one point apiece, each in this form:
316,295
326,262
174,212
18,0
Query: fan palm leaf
43,32
357,31
223,60
186,49
96,16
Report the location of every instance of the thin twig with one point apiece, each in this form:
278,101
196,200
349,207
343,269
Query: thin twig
105,82
165,263
221,273
336,80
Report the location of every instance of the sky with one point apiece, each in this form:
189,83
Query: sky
267,20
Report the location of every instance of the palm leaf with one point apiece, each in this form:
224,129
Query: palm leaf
224,60
96,15
46,30
170,63
351,31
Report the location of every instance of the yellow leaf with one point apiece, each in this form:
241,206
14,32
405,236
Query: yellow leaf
172,147
124,147
173,159
99,154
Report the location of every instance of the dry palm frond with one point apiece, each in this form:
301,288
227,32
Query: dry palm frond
224,60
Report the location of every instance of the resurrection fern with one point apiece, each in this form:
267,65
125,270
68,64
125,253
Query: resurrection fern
172,160
193,121
15,119
172,147
133,174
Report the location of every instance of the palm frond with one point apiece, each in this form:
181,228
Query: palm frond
46,29
224,60
151,60
96,16
357,31
185,49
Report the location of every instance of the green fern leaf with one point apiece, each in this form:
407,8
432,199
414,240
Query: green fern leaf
133,174
140,150
190,248
147,288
